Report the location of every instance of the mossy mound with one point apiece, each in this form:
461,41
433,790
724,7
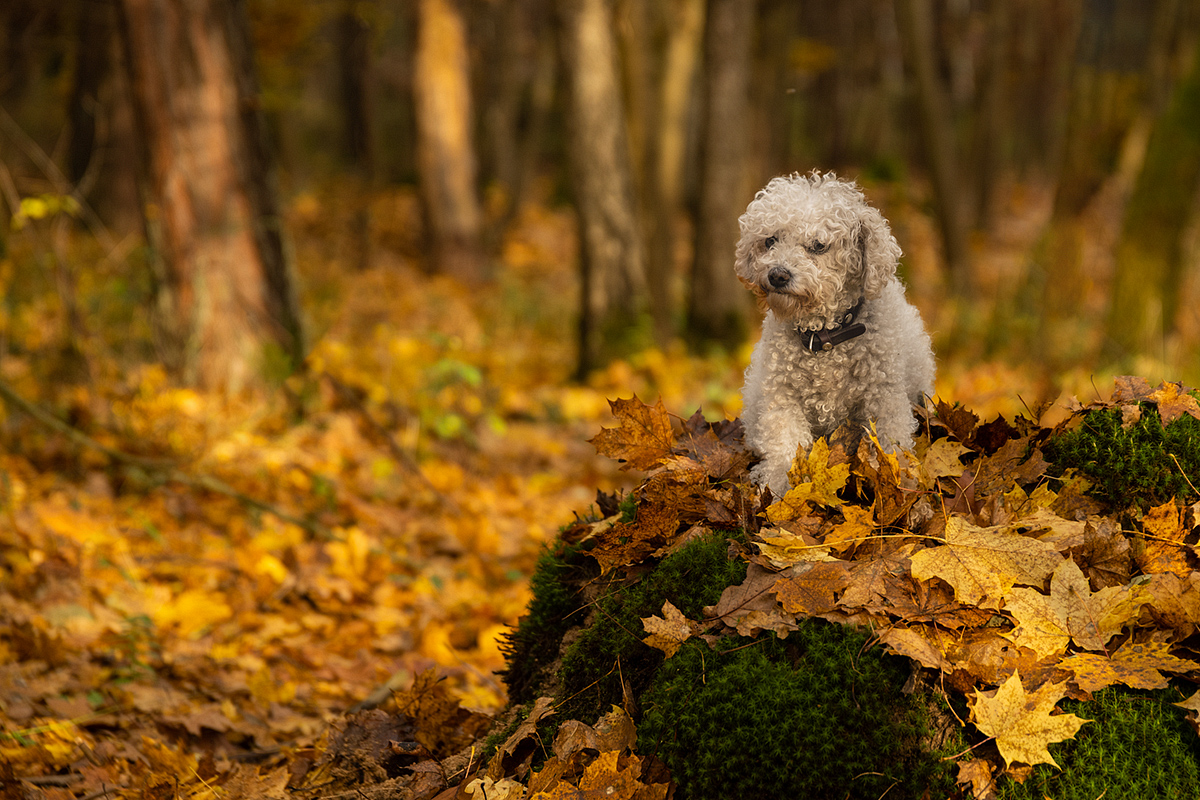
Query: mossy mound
1145,464
1137,745
816,714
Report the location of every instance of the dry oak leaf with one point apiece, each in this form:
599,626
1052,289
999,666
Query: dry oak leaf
670,631
813,480
811,590
1135,665
985,562
1021,722
644,437
1162,549
1049,623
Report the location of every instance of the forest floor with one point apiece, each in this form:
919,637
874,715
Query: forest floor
195,587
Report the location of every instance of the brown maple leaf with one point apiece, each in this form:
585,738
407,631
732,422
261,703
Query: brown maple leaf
717,449
1192,706
1104,554
958,420
670,631
644,437
985,562
886,575
1130,389
1022,723
1137,665
809,590
750,607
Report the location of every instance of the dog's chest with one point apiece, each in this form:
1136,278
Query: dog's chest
827,384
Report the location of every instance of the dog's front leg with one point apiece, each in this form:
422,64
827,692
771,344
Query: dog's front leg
894,421
781,431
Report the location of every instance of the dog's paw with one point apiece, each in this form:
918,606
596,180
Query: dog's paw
775,479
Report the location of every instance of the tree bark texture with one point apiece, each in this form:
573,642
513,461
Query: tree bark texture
226,290
915,23
1149,271
612,260
446,159
719,306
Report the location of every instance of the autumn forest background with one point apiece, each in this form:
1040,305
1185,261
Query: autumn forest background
309,308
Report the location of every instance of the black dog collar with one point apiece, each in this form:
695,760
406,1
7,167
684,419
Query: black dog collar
826,338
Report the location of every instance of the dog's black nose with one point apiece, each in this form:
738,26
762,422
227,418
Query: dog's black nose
779,277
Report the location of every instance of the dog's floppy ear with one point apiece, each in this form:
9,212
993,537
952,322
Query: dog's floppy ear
878,251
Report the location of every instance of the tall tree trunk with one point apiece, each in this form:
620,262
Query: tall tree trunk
915,23
445,150
226,293
719,305
353,42
1145,294
612,262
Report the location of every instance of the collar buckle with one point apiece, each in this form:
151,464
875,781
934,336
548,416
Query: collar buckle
825,338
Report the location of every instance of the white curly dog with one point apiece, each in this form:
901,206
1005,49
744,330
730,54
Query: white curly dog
839,342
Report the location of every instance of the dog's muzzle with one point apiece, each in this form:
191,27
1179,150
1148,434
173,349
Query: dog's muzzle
779,277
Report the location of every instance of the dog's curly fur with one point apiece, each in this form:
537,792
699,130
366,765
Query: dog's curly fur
811,248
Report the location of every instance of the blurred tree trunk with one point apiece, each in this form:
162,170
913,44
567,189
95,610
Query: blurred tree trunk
353,43
915,23
226,294
445,150
517,75
719,305
662,46
1149,270
612,261
1108,117
93,40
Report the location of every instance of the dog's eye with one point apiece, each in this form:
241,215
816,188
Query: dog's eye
816,248
770,242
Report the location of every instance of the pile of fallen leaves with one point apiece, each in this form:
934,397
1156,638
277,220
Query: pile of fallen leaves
1014,588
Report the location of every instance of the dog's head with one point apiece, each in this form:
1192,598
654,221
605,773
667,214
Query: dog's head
811,246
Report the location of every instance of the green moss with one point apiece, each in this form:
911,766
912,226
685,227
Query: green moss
555,608
1137,465
611,648
1137,746
809,716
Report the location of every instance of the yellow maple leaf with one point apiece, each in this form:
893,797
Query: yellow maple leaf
1137,665
985,562
858,527
670,631
813,480
1048,623
1021,722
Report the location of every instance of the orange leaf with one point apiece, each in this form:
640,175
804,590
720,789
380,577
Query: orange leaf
1135,665
812,590
644,437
